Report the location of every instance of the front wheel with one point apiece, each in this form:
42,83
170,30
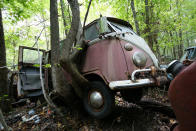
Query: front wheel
98,100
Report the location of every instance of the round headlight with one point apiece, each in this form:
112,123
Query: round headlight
139,59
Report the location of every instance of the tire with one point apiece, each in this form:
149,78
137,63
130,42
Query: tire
133,95
101,110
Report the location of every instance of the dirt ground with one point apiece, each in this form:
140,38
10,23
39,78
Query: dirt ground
125,117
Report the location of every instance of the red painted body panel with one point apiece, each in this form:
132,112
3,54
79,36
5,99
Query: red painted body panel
129,54
109,60
107,57
182,95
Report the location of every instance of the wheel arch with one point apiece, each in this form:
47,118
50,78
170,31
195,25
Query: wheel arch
93,76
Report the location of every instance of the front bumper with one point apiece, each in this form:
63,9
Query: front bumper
155,79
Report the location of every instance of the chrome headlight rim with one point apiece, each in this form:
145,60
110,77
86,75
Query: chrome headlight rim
139,59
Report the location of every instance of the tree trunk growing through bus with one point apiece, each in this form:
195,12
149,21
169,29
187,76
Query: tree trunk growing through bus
58,77
63,53
69,55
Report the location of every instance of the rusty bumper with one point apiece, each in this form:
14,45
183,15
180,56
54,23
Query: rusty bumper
154,80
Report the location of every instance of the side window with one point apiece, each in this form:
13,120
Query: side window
31,56
95,29
184,56
193,54
92,32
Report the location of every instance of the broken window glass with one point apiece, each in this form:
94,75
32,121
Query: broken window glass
31,56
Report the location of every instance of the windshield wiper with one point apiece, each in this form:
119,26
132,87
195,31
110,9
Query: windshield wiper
116,27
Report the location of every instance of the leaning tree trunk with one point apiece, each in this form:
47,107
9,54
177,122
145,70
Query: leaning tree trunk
63,53
3,71
58,78
68,57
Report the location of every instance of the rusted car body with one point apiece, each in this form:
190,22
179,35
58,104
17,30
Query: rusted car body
116,59
108,57
182,95
29,84
188,58
119,60
190,54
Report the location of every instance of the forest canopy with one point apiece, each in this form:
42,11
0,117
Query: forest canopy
56,28
169,26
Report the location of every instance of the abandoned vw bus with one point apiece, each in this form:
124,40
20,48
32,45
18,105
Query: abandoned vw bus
116,60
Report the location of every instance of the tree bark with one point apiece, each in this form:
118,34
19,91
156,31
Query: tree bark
181,44
135,17
177,46
174,47
180,47
3,71
14,58
64,54
154,33
68,10
63,15
147,22
187,39
58,78
157,46
68,57
180,52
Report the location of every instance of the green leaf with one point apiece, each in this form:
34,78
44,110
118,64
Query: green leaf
36,65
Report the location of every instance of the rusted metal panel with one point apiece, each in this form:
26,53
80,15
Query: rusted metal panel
129,54
108,57
182,95
112,60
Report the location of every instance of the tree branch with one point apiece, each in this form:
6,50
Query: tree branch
86,15
38,36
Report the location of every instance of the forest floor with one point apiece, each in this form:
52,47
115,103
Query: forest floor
126,117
